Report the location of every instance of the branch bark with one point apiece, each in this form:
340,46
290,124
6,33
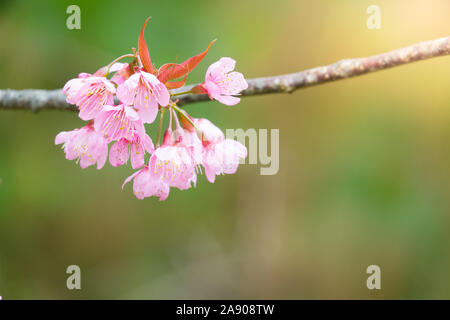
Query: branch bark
36,100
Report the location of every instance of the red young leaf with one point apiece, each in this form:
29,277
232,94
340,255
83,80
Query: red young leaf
176,84
186,121
165,71
187,66
143,51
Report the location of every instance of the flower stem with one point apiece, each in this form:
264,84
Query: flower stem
129,55
170,117
180,93
161,118
177,121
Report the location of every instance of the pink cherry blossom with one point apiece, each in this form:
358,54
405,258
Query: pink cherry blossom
90,94
147,184
189,140
172,162
120,151
220,155
193,147
145,92
221,84
116,122
222,158
84,144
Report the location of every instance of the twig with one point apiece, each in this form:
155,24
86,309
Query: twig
36,100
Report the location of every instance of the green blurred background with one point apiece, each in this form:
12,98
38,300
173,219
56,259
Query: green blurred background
364,163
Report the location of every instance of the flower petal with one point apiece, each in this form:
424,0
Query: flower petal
119,153
137,155
127,91
228,100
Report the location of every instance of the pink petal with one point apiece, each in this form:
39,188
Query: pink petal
114,124
62,137
131,114
118,155
158,89
210,174
228,100
162,94
146,185
146,104
221,67
117,66
208,131
127,90
212,89
147,143
131,178
150,78
137,155
235,83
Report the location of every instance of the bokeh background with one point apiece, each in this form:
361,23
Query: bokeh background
364,172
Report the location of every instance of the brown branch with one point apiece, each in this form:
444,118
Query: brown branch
36,100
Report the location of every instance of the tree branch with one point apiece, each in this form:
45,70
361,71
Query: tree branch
36,100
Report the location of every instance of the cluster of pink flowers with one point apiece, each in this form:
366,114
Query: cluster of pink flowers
120,98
